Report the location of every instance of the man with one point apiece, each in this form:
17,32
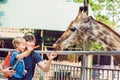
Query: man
34,58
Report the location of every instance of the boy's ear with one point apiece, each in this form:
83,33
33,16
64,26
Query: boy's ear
16,45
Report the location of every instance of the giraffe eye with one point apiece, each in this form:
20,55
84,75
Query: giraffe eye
72,29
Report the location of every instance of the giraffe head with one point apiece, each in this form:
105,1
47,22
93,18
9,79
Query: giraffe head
85,27
74,33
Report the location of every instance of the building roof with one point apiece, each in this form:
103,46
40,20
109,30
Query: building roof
10,32
39,14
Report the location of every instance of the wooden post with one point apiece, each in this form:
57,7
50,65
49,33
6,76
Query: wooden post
42,46
111,66
86,2
87,61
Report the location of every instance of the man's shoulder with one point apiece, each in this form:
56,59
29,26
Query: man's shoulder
34,53
36,56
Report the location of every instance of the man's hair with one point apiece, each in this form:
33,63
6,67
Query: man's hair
29,37
18,40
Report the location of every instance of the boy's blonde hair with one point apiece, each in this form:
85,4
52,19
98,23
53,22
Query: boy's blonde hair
17,41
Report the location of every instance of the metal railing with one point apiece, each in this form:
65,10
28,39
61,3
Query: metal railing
60,71
117,52
70,71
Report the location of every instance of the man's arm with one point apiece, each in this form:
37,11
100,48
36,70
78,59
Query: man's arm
46,66
6,70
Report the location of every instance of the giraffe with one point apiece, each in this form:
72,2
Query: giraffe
84,28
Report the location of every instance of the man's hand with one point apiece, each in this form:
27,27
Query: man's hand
52,55
8,71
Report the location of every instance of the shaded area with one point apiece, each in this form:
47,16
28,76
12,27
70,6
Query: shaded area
5,43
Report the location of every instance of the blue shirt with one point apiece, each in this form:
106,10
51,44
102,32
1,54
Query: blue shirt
30,63
17,65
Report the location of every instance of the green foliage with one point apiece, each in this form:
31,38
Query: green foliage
104,20
78,1
101,18
88,45
97,46
101,1
95,7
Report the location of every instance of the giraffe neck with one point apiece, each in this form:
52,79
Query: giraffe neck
106,37
110,44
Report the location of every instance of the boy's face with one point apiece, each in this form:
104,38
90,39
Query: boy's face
21,47
31,43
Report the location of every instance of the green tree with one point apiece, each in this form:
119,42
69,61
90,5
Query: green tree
97,7
78,1
104,20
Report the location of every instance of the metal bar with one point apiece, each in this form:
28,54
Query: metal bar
117,52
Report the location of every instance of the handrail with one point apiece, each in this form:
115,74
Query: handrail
117,52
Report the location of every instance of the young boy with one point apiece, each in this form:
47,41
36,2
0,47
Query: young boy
34,58
16,60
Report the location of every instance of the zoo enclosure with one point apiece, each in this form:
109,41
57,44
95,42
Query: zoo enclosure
70,71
